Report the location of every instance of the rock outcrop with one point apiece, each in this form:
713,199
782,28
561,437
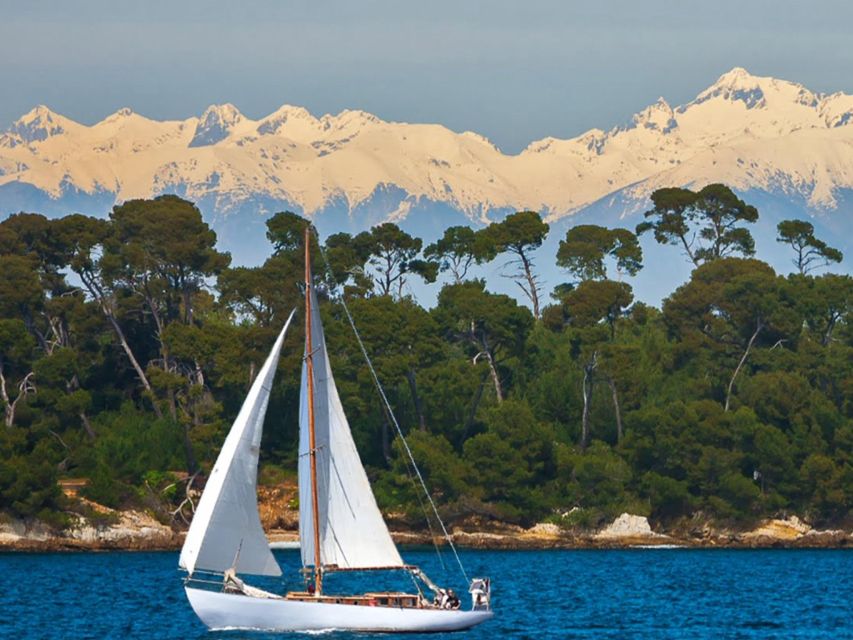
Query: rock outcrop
791,529
103,529
795,533
95,527
629,527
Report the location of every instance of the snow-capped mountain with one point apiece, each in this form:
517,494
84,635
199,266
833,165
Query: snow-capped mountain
789,149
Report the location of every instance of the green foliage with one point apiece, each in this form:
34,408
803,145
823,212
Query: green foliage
596,300
667,496
586,246
705,223
735,400
810,252
511,462
130,445
458,249
392,255
596,478
286,231
518,235
28,473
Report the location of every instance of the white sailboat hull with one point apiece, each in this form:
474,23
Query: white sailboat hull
234,611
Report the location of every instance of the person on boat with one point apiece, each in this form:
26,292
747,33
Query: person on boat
452,600
441,598
310,588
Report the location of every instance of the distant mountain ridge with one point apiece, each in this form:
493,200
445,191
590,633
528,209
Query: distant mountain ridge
786,146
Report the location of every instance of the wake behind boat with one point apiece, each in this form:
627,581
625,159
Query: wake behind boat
340,525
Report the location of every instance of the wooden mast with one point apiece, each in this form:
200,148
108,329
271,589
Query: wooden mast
312,446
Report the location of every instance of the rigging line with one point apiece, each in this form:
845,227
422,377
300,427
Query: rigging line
375,377
432,536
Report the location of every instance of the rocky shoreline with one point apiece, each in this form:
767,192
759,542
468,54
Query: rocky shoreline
137,531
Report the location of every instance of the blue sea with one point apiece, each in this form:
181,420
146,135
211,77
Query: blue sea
661,593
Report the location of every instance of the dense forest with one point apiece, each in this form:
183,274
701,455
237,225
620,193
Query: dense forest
127,345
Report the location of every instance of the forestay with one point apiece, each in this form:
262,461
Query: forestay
352,532
226,525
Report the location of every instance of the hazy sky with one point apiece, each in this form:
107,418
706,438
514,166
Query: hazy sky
513,71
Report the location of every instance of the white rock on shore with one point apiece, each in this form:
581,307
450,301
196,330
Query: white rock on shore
131,525
12,530
121,529
628,526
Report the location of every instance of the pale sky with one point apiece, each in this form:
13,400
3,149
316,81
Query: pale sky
513,71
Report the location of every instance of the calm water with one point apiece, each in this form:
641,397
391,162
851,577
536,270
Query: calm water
538,594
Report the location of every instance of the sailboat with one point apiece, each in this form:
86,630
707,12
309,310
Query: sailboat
340,525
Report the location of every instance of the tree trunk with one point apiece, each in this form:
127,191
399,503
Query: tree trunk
588,370
759,325
188,308
800,261
30,324
8,409
10,405
688,251
133,361
97,293
830,326
616,409
87,425
70,387
531,282
478,396
494,373
483,344
173,405
416,399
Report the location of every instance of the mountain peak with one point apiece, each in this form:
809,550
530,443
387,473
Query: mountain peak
354,117
38,112
215,124
286,115
750,132
225,112
658,116
291,111
737,85
38,124
755,91
736,76
118,116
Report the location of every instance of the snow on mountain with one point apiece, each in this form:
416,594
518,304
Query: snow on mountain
38,125
757,134
216,124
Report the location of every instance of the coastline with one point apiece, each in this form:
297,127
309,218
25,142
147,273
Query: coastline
137,531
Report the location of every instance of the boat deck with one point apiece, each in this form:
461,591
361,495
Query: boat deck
379,599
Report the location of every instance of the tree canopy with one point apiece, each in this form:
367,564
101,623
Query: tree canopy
810,252
706,223
519,235
127,345
586,248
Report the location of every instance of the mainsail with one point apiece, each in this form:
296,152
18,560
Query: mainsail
226,530
352,532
